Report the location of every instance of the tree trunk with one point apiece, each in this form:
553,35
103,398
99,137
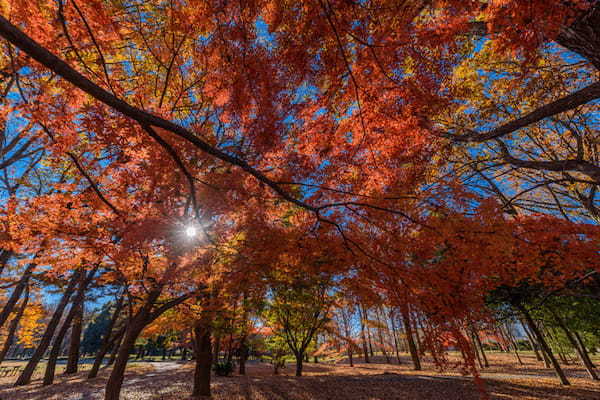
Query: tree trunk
10,336
107,340
532,342
27,372
16,294
512,340
135,325
364,336
56,347
243,356
583,356
414,354
395,336
475,350
299,359
582,346
204,357
115,380
480,346
545,348
4,257
68,322
73,359
115,349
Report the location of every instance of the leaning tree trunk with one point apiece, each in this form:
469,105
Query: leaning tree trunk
73,358
68,322
583,356
582,346
204,357
56,347
25,376
364,338
108,340
115,380
111,342
412,348
4,257
16,294
532,342
135,325
544,345
480,347
10,336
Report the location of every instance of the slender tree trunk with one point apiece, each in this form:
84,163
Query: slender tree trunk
27,372
364,337
243,356
68,322
75,342
4,257
203,350
115,350
416,331
10,336
583,356
135,325
16,294
299,360
56,348
395,336
480,346
532,342
115,380
475,350
381,335
350,356
582,347
512,340
414,354
107,340
544,345
104,348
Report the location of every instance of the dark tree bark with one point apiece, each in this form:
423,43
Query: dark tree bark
134,327
75,342
112,342
299,361
412,348
512,340
480,347
583,356
108,340
394,334
243,356
583,36
10,336
544,345
68,322
4,257
16,294
364,337
27,372
203,352
532,342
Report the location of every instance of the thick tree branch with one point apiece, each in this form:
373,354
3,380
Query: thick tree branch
569,102
575,165
61,68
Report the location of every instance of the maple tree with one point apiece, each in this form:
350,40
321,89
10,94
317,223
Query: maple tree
358,142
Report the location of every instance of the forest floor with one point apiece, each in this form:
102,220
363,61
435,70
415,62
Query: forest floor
171,380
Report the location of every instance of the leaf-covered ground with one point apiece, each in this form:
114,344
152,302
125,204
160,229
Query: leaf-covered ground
170,381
